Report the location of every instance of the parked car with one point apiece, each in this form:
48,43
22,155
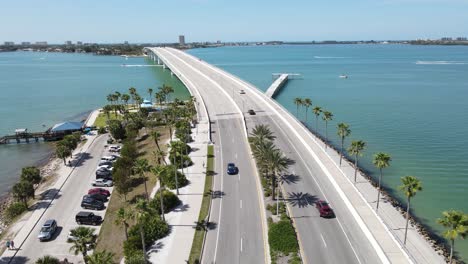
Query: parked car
100,191
48,229
101,163
108,158
115,148
251,112
88,218
242,92
102,183
96,196
107,167
90,203
103,173
324,209
71,237
232,169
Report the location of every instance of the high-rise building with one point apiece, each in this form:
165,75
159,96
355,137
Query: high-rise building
461,38
41,43
25,43
181,40
68,42
125,42
446,39
79,43
9,43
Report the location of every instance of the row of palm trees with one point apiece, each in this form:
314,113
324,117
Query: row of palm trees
161,96
455,221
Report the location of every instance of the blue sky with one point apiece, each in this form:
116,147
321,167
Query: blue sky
235,20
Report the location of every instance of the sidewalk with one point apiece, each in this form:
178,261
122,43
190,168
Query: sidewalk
175,248
28,225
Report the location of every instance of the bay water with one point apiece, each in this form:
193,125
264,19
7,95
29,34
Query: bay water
408,101
39,89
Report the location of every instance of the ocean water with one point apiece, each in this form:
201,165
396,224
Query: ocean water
38,90
408,101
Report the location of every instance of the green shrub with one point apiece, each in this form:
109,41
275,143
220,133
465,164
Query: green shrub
272,208
15,209
170,201
180,160
169,179
154,228
102,130
282,238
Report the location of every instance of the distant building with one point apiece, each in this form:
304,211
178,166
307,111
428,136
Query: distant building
125,42
25,43
79,43
9,43
41,43
218,42
461,39
68,42
446,39
67,127
182,40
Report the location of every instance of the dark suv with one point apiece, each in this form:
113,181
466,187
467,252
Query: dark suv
232,169
91,203
88,218
96,196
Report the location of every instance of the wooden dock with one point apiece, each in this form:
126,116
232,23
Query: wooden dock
29,137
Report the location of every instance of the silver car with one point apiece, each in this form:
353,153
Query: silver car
47,230
102,183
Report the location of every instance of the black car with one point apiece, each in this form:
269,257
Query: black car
96,196
103,173
105,163
232,169
251,112
88,218
90,203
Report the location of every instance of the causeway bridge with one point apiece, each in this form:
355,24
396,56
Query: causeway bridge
357,235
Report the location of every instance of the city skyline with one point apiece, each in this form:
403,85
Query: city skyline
207,20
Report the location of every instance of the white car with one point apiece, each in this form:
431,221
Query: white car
105,166
115,148
70,237
102,183
108,158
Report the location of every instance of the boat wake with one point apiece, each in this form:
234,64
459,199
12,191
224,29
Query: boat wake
325,57
441,62
139,65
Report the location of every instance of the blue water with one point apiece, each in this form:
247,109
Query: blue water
408,101
41,89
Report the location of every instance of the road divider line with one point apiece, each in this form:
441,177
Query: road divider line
241,244
323,240
241,204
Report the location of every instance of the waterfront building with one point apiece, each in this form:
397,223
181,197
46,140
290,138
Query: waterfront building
25,43
79,43
9,43
67,127
461,39
125,42
182,40
68,42
41,43
446,39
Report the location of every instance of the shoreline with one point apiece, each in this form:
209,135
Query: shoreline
48,166
436,241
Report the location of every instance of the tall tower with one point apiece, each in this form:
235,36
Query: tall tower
182,40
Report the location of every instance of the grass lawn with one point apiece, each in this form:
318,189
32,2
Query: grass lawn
197,244
102,118
112,236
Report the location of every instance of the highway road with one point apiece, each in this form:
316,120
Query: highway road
238,234
339,240
63,209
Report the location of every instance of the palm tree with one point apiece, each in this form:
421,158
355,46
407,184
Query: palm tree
327,116
141,167
125,98
356,149
117,96
343,131
150,91
85,239
411,185
141,212
298,102
456,223
261,133
110,98
158,171
107,109
101,257
307,103
174,152
48,260
122,218
156,136
381,160
160,156
317,111
132,92
277,163
62,152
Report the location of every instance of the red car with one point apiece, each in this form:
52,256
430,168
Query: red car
100,191
324,209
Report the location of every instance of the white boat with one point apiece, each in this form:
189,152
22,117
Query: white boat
343,76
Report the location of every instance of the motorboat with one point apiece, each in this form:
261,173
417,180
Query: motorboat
343,76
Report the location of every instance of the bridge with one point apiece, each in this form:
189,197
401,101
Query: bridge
277,84
357,235
28,137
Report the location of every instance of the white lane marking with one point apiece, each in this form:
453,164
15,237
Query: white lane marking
325,243
351,208
239,176
241,204
221,198
241,244
236,155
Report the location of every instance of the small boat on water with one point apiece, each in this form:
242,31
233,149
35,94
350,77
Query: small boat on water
343,76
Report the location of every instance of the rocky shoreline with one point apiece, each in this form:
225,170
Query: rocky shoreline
437,242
